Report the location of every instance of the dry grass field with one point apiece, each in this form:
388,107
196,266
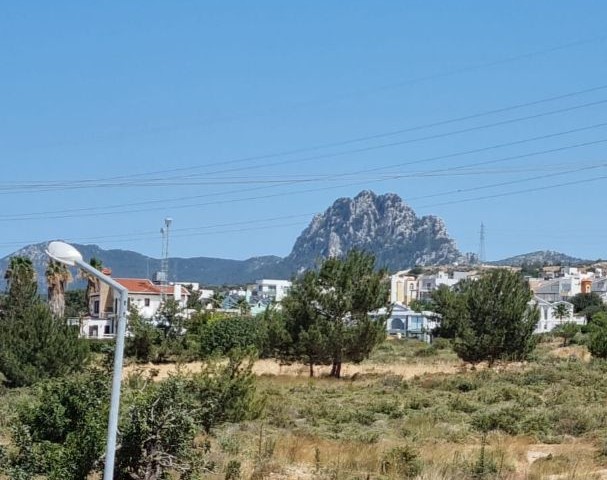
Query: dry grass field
417,412
414,411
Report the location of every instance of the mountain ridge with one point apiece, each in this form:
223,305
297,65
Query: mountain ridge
382,224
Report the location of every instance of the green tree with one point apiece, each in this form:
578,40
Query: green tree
584,301
498,321
597,343
217,299
451,308
162,422
561,311
22,289
328,311
171,319
567,331
243,306
144,337
193,302
222,335
274,338
421,305
57,277
76,304
60,433
37,345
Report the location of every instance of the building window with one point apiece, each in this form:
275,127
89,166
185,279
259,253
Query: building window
146,302
96,307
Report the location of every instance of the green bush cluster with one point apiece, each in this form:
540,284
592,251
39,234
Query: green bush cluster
59,432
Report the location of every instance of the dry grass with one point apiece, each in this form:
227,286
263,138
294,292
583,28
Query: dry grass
274,368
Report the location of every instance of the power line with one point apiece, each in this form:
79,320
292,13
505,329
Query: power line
93,211
98,183
516,192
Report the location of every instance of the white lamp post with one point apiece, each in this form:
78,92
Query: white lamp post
68,255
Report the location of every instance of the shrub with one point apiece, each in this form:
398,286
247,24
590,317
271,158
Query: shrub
597,342
506,419
61,433
38,346
223,335
401,461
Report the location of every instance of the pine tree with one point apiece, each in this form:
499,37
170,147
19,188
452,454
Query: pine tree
35,345
497,321
328,311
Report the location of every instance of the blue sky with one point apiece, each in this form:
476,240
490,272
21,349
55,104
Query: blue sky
240,120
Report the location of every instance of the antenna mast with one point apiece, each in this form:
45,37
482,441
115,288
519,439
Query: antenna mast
481,251
164,262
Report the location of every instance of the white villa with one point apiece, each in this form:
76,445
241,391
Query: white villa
145,295
548,321
274,290
410,324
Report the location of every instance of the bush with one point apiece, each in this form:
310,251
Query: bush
597,341
61,433
38,346
401,461
226,334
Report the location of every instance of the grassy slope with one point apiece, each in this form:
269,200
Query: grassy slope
547,417
544,418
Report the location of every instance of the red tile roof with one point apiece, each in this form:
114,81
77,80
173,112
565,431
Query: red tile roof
143,285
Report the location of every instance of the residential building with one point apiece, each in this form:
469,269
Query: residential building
145,295
548,320
403,287
599,286
562,288
410,324
274,290
428,283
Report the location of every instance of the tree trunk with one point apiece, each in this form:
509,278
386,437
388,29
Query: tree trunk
311,369
336,369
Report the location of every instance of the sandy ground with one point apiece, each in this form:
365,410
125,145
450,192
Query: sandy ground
271,367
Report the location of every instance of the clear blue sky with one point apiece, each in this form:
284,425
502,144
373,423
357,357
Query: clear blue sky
213,94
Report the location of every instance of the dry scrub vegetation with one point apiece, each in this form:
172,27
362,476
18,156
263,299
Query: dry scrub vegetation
414,411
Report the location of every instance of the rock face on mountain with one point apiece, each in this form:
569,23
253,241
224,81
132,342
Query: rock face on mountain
381,224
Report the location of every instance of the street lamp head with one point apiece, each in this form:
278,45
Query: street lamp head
64,253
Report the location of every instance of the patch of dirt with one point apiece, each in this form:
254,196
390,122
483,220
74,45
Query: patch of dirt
577,352
271,367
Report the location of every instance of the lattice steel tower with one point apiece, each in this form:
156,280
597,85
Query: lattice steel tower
481,249
164,262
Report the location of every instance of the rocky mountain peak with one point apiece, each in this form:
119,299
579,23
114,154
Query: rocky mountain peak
382,224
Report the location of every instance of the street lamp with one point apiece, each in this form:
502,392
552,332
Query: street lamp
68,255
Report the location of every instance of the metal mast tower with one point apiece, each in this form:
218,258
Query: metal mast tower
164,262
481,250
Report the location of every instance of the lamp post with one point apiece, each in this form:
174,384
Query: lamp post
68,255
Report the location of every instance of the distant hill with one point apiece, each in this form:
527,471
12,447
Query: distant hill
382,224
542,257
129,264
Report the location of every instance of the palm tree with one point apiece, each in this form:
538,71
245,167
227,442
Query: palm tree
57,278
243,306
217,299
561,311
20,272
92,282
22,289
